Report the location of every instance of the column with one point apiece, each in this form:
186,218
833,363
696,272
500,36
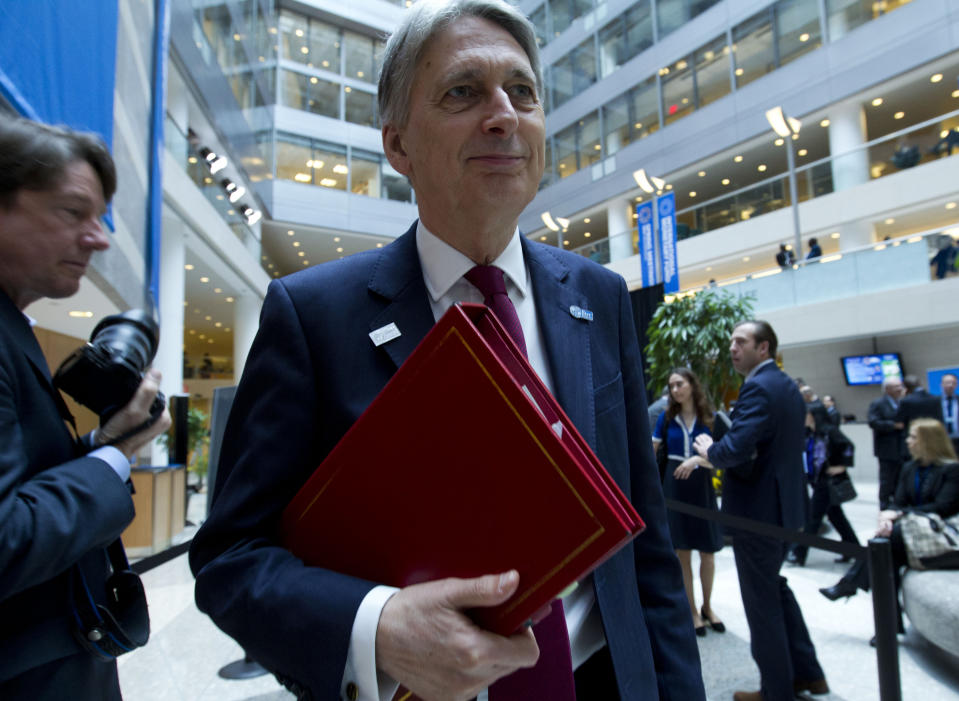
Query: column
619,225
246,320
847,130
169,357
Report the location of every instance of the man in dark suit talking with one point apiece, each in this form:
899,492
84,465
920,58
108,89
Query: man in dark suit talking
460,101
762,455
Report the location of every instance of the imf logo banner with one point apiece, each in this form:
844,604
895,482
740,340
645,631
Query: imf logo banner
647,244
666,209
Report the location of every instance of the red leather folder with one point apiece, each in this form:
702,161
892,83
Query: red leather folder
463,465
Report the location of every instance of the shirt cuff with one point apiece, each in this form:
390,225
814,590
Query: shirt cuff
117,461
361,679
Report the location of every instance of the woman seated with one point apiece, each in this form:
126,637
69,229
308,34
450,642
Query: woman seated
687,415
929,482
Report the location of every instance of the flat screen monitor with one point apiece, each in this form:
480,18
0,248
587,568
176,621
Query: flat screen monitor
871,369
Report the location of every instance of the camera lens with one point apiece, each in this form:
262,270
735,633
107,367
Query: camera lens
129,338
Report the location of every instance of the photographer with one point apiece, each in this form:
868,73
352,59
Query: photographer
63,499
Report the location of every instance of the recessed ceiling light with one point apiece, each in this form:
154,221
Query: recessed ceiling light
229,299
738,159
761,167
300,254
725,181
639,199
890,220
296,244
779,142
587,220
380,245
339,249
804,37
834,235
290,232
565,243
336,239
955,93
876,102
306,262
802,152
669,187
218,324
745,259
899,115
701,174
824,123
692,193
204,279
708,268
217,290
77,314
739,71
208,317
950,205
936,78
188,266
193,332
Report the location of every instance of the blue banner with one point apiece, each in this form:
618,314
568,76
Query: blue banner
647,244
666,211
58,61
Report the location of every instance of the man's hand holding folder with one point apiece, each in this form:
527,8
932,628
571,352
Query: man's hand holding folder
427,621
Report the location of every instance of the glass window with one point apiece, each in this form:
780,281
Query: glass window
612,47
712,71
846,15
395,186
590,142
644,101
753,48
678,94
359,57
562,15
561,81
549,177
360,107
294,159
574,72
324,98
625,37
329,166
538,18
672,14
294,90
565,142
616,124
365,174
639,28
324,46
797,28
294,32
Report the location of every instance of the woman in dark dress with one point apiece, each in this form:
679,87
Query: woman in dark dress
689,479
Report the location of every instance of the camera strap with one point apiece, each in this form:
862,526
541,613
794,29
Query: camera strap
156,410
120,625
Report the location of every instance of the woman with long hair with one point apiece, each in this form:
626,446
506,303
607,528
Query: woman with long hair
688,479
929,482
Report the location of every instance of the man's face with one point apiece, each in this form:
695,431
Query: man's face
948,385
476,130
48,236
894,389
745,352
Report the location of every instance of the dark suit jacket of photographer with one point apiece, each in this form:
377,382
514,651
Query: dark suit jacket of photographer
57,508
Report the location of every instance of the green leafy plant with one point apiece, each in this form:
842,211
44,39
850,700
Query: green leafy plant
693,331
197,442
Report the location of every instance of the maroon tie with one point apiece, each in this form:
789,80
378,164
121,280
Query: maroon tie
552,677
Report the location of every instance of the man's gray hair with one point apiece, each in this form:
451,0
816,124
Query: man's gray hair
425,19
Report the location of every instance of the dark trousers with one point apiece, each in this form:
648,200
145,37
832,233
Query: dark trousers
596,678
75,677
819,508
888,476
779,639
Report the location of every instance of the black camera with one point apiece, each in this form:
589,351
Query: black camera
104,374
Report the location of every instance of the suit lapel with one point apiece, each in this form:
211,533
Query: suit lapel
566,338
398,277
16,325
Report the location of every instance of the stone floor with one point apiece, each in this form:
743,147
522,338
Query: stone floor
186,650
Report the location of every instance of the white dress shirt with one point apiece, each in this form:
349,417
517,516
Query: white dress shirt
443,270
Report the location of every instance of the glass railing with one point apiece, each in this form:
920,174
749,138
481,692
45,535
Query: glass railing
179,147
900,150
886,265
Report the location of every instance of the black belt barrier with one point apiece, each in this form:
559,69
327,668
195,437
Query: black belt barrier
879,557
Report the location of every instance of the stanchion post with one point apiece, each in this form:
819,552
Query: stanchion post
885,616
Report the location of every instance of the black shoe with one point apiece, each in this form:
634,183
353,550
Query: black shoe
793,559
701,631
842,588
716,626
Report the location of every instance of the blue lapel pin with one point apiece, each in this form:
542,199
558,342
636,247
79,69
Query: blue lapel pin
580,313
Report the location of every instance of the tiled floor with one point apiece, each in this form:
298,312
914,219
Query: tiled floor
186,650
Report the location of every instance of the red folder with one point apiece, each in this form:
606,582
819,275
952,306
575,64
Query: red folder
463,465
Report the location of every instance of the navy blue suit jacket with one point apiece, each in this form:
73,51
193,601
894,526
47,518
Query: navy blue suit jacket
762,451
313,370
57,508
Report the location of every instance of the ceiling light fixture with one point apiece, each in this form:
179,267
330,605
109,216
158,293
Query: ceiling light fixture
548,221
781,124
